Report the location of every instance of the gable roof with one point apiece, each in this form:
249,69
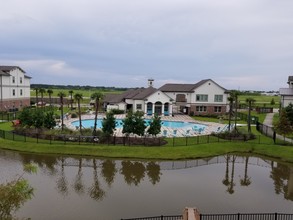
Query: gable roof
171,87
7,69
137,94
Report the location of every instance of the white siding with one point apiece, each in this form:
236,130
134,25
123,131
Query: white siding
211,89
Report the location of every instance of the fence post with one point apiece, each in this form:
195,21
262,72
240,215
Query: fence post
276,216
50,139
37,138
13,136
173,141
64,139
238,216
114,139
197,138
208,138
186,140
3,134
24,137
162,217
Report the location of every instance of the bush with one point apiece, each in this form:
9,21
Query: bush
117,111
74,115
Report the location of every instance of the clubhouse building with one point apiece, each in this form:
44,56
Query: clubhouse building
203,98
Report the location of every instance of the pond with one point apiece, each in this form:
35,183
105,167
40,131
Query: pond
92,188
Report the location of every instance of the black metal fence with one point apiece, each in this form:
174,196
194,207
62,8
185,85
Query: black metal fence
128,141
9,116
238,216
244,117
260,216
162,217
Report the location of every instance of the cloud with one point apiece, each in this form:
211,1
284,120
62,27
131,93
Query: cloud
122,43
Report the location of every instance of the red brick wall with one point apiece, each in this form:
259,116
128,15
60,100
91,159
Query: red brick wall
15,103
209,110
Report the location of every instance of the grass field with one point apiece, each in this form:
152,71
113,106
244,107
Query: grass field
261,100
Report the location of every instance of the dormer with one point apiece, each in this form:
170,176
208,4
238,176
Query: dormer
290,82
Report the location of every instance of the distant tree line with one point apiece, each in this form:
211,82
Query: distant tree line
76,87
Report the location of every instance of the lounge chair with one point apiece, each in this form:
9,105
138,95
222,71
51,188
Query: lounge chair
174,133
165,133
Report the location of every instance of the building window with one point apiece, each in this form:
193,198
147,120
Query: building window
218,109
21,92
201,98
13,92
201,108
218,98
20,80
138,107
13,79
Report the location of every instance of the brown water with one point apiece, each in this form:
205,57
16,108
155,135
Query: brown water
92,188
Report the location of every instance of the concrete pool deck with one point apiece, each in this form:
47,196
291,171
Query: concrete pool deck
165,131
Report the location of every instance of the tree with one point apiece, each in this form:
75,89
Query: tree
155,126
37,95
61,95
50,92
289,112
283,126
250,101
109,124
42,91
97,96
71,99
78,97
38,118
15,193
273,101
134,123
128,124
49,121
235,95
231,100
139,123
25,117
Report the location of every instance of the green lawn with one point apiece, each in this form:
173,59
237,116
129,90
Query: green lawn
261,100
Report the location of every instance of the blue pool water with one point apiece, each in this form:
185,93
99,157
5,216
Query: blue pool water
88,123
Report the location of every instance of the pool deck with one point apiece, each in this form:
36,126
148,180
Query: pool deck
165,131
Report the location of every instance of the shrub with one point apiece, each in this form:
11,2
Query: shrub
117,111
74,115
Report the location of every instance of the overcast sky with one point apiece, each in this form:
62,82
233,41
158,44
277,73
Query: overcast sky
240,44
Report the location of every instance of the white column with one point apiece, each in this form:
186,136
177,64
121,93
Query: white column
153,113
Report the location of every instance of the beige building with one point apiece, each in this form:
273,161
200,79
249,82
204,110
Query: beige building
203,98
14,88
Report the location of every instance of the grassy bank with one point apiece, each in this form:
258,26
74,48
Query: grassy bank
284,153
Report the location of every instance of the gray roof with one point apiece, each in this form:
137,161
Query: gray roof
286,91
9,68
138,94
171,87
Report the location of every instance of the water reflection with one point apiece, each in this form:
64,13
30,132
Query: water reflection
282,176
134,172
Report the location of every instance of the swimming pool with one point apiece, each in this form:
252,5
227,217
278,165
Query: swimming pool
89,123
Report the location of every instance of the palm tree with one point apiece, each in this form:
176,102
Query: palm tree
61,95
236,94
37,97
250,101
50,92
71,99
97,96
78,97
42,91
231,100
